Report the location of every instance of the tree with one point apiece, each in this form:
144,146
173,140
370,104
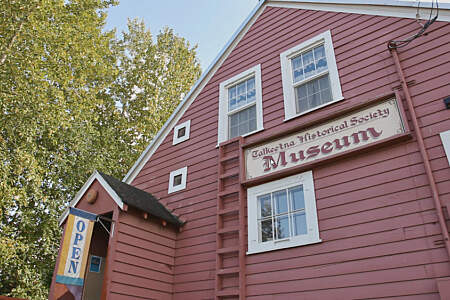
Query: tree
73,98
153,78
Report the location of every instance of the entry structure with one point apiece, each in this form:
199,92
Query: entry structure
128,219
310,161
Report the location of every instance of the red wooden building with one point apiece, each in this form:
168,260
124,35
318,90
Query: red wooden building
310,161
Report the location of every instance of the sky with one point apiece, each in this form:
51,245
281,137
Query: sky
207,23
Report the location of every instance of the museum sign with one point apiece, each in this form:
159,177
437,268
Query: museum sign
354,130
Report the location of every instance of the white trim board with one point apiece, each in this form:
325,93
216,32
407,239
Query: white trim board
445,138
400,9
95,175
404,9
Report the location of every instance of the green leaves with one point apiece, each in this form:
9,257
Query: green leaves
73,98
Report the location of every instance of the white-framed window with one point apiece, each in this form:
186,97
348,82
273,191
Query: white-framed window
310,77
282,214
240,105
445,138
181,132
177,180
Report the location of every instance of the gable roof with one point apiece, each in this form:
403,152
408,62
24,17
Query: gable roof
123,193
390,8
141,199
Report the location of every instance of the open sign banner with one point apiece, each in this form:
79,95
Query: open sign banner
351,131
75,250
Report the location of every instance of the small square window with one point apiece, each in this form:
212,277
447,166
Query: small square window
282,214
95,264
181,132
310,77
177,180
240,105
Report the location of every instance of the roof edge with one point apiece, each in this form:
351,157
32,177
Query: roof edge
157,140
95,175
387,8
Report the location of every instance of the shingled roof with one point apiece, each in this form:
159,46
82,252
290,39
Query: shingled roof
140,199
123,193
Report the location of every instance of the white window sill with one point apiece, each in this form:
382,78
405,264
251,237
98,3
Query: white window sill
244,135
278,245
312,109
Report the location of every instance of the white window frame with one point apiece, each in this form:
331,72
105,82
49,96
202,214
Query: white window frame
175,188
290,110
223,125
187,126
445,138
306,179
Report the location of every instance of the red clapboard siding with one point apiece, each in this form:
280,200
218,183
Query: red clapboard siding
143,263
376,216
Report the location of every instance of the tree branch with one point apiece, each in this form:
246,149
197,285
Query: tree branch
11,42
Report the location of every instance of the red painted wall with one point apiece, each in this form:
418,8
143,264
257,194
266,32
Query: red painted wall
143,260
376,216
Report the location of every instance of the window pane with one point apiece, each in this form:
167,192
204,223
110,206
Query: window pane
241,100
241,88
299,225
177,180
231,98
252,125
325,91
251,96
319,52
282,227
266,230
297,69
320,59
234,131
308,63
313,93
232,104
251,84
232,92
297,198
241,94
280,202
265,206
242,122
181,132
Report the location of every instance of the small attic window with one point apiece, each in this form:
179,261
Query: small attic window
177,180
181,132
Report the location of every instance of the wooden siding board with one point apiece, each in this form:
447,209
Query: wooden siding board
147,236
309,271
135,261
375,291
137,292
143,282
367,278
305,256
